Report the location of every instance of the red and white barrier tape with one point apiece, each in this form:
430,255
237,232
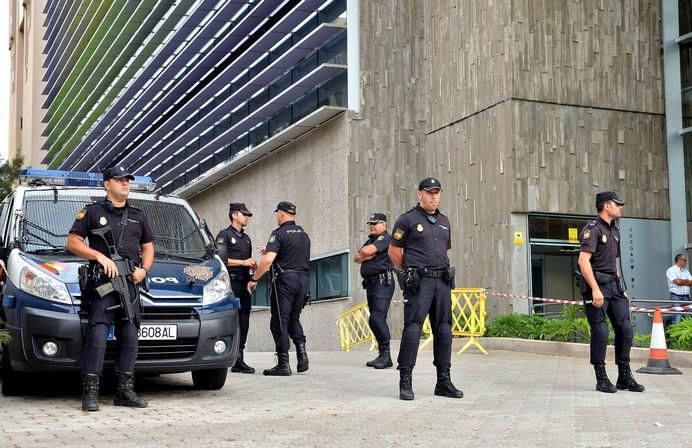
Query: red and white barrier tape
579,302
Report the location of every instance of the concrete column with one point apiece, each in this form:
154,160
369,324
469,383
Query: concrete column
674,143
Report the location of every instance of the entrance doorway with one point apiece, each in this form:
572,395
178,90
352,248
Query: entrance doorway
554,251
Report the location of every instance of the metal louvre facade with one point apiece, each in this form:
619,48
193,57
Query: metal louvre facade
178,88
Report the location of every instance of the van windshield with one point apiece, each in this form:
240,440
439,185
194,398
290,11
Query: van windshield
49,215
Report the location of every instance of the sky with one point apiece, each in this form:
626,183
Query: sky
4,81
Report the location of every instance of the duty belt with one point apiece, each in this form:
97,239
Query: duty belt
283,271
381,277
238,276
432,272
603,277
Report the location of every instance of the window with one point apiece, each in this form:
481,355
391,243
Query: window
329,277
328,280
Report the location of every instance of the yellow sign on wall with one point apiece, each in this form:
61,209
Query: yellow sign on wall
518,238
573,233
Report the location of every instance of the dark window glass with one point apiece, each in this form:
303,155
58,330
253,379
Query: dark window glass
685,16
556,227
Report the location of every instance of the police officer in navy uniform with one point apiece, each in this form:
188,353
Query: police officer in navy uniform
421,239
376,270
134,240
240,263
604,293
288,255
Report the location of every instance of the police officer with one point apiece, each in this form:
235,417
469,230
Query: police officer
604,293
133,239
288,254
376,270
421,239
240,263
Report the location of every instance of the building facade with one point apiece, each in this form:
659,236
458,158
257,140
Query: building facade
523,109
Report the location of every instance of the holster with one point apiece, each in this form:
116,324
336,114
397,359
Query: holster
449,275
87,282
409,280
580,282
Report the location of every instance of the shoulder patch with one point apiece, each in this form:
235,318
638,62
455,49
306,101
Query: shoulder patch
81,214
587,234
398,234
220,239
272,238
380,238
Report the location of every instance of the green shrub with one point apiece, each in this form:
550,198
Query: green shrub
642,340
680,335
570,326
4,334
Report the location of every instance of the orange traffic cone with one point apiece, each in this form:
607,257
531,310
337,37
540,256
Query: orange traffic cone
658,352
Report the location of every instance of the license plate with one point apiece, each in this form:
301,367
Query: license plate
149,332
158,332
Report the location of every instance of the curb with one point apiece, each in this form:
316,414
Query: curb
677,358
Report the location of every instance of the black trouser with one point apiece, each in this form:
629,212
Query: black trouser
291,288
379,297
239,287
126,334
616,307
434,299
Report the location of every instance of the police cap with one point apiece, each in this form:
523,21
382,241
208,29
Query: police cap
117,172
286,207
606,196
429,183
376,218
238,207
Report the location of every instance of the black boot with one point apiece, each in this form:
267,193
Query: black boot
444,386
302,354
384,359
603,384
125,393
626,380
405,384
240,366
90,392
282,368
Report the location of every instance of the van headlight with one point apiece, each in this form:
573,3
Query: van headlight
216,289
39,284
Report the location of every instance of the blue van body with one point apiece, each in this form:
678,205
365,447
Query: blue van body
189,313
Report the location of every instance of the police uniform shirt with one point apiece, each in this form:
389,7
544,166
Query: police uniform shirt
292,247
101,214
380,263
424,238
239,248
603,241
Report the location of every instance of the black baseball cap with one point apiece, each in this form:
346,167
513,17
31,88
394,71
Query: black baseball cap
377,217
286,207
117,172
429,183
606,196
238,207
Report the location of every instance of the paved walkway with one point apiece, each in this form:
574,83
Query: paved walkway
511,400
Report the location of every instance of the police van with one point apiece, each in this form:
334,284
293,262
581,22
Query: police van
189,314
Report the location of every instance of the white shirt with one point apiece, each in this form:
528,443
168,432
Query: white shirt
674,272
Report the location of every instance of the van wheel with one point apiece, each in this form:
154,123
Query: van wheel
12,383
212,379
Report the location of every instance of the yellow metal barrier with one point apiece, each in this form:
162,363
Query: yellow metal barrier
468,317
354,328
